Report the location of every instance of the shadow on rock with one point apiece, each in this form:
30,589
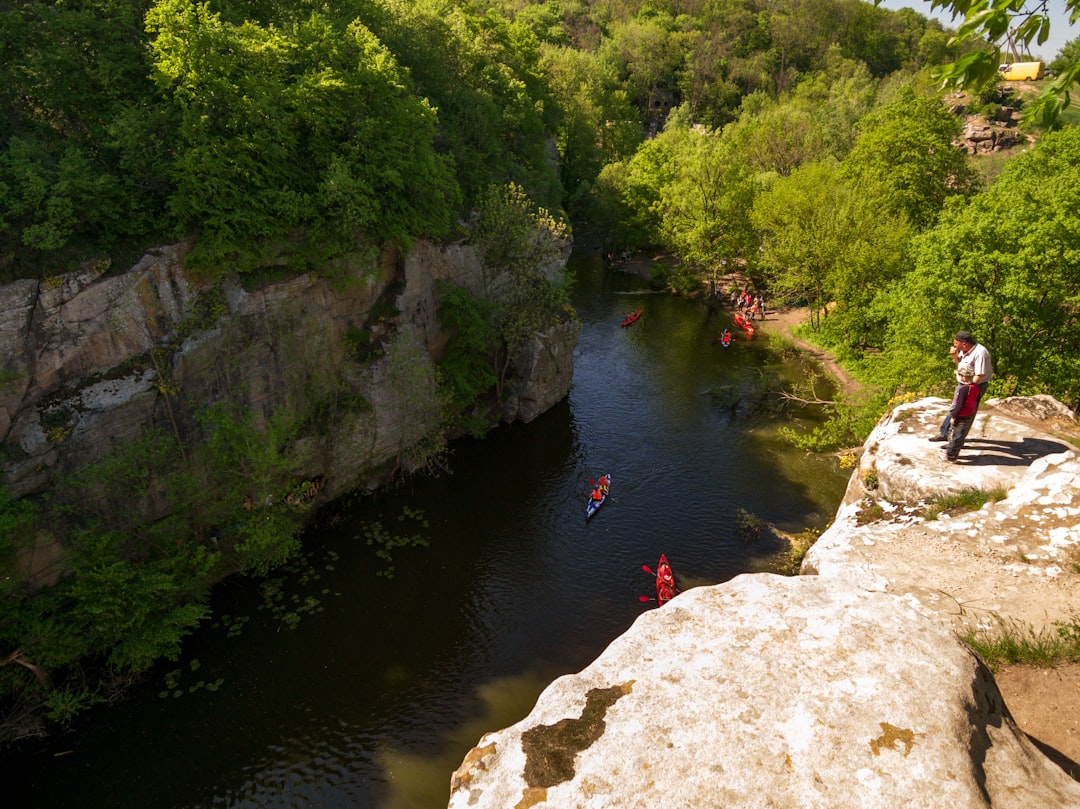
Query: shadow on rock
1010,453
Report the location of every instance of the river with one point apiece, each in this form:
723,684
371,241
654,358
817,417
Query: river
358,680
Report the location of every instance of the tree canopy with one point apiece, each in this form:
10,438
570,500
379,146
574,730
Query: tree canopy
242,124
1006,266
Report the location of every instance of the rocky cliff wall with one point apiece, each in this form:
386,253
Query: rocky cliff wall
843,687
92,360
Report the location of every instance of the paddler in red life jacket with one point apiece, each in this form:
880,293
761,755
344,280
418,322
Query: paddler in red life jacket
663,573
665,585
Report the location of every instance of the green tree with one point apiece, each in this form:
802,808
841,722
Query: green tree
648,51
635,187
1006,266
283,126
825,244
905,152
16,534
595,123
482,73
135,613
802,235
467,364
545,20
705,209
70,75
706,87
520,245
1068,55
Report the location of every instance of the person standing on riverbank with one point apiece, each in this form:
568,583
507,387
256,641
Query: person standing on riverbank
965,350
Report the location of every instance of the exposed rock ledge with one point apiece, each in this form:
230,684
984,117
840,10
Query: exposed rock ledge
844,689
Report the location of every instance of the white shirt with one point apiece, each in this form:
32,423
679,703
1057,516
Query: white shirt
978,357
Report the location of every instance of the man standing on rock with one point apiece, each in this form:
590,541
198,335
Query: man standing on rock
965,349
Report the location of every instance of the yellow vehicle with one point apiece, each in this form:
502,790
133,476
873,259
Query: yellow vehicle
1022,71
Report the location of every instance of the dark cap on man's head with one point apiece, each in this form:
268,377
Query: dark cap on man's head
964,337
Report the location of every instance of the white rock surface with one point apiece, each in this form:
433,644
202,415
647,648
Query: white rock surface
1013,560
766,691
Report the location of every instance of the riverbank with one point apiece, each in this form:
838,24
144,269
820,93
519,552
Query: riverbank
783,322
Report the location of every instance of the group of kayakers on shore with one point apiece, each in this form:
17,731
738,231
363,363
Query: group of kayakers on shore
749,304
613,257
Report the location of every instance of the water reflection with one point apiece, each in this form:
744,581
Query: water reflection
417,781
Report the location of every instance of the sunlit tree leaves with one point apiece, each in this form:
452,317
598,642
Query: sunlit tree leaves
905,150
1006,266
825,245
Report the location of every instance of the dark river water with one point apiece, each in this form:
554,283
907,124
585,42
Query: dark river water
354,680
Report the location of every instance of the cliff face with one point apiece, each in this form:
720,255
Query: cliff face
93,360
845,686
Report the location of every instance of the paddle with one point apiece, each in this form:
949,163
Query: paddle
646,598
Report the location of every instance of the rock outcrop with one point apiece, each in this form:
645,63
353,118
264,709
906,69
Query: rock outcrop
988,133
848,688
1013,559
91,361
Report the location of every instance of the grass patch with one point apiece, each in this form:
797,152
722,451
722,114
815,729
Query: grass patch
750,525
991,165
961,502
869,511
799,544
1013,643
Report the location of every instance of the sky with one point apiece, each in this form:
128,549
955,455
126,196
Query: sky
1060,32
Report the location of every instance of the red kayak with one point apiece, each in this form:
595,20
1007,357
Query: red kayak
665,582
631,318
744,324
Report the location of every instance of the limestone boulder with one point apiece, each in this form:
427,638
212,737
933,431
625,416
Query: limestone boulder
846,686
1012,559
766,691
544,371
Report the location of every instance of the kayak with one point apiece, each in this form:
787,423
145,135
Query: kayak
744,324
665,582
598,496
631,318
725,339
